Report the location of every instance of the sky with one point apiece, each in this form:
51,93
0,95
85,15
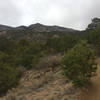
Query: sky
75,14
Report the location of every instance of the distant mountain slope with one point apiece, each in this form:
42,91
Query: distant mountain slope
35,31
4,27
43,28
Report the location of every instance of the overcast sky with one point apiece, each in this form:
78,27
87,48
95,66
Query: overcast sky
75,14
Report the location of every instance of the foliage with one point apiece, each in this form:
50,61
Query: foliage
95,23
27,56
79,64
8,77
94,38
6,45
62,44
13,55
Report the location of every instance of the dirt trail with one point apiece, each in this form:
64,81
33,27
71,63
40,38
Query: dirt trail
93,90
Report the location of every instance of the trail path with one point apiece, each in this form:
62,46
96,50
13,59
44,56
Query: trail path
93,90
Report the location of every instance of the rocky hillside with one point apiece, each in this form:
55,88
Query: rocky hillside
43,28
35,32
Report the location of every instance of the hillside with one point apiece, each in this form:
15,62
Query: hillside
34,32
52,86
38,86
41,62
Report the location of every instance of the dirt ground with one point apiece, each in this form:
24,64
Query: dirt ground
35,86
92,92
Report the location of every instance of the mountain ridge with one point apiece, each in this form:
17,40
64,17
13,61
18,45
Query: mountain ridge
36,25
35,32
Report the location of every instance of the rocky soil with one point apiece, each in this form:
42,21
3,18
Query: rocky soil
45,85
52,85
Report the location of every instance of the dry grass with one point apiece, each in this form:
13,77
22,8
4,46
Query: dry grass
49,61
44,83
51,86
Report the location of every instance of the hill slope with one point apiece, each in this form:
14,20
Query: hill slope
34,32
37,86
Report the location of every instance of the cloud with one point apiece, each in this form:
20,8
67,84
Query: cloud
68,13
9,13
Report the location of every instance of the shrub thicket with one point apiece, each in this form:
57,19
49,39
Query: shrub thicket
13,55
79,64
61,44
94,38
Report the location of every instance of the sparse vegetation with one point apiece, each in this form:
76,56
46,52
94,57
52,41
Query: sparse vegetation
24,49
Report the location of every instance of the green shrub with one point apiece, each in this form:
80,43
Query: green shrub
94,39
79,64
5,58
9,76
61,44
27,56
6,45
